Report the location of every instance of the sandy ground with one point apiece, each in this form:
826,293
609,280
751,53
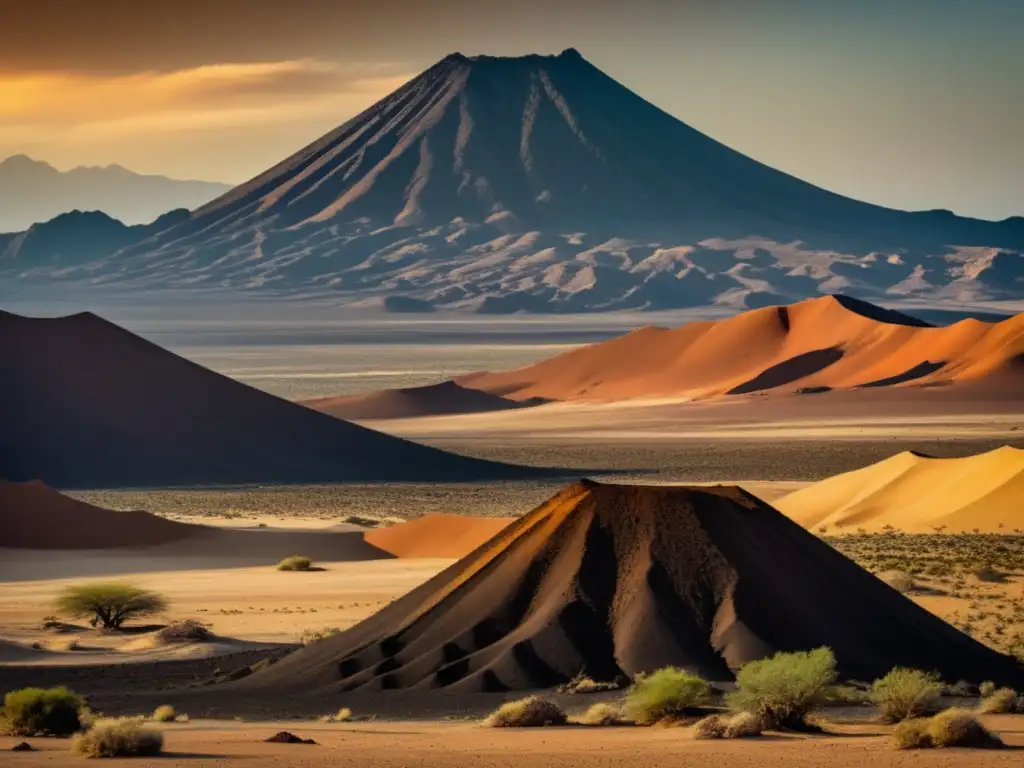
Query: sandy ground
834,417
401,744
257,605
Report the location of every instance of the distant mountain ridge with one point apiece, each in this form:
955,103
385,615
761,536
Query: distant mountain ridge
540,184
34,191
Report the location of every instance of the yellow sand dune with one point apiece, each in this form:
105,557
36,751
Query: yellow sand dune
916,493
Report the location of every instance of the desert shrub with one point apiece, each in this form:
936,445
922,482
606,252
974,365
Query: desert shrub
906,693
901,581
118,738
583,684
959,728
165,714
314,635
109,605
602,713
986,689
530,712
42,712
666,693
782,690
960,688
1004,701
911,734
950,728
186,631
343,715
737,725
295,563
988,573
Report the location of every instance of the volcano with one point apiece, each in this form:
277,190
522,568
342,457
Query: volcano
539,183
608,580
88,404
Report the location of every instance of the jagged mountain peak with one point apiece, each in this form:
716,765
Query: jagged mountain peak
538,183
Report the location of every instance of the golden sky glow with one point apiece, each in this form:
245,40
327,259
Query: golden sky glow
72,118
913,104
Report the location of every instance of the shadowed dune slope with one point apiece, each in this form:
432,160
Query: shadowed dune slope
917,493
832,342
606,579
437,535
433,399
34,516
92,405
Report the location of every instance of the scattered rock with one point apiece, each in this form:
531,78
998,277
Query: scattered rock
23,747
285,737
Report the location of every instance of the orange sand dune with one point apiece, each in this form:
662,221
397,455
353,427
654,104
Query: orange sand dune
828,343
437,535
614,580
917,493
434,399
34,516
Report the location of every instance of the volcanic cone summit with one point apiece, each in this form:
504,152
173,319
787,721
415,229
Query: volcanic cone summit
606,580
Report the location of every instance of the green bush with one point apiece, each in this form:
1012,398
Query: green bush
782,690
118,738
906,693
531,712
951,728
295,563
42,712
664,694
109,605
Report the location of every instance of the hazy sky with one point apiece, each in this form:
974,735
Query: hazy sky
909,103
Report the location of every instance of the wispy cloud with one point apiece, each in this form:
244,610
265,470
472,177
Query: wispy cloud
47,111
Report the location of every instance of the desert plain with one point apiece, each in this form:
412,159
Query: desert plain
917,479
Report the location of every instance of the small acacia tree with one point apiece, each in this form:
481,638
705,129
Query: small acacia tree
109,605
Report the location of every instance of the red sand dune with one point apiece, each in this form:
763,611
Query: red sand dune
606,579
34,516
819,344
92,405
434,399
437,535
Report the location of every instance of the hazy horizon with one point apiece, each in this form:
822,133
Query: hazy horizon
913,107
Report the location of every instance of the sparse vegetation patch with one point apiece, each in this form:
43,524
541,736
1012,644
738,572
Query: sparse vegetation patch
782,690
531,712
665,694
42,712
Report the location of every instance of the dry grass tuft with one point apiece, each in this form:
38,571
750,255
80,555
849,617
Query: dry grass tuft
530,712
951,728
1004,701
295,563
343,715
186,631
604,714
118,738
164,714
738,725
